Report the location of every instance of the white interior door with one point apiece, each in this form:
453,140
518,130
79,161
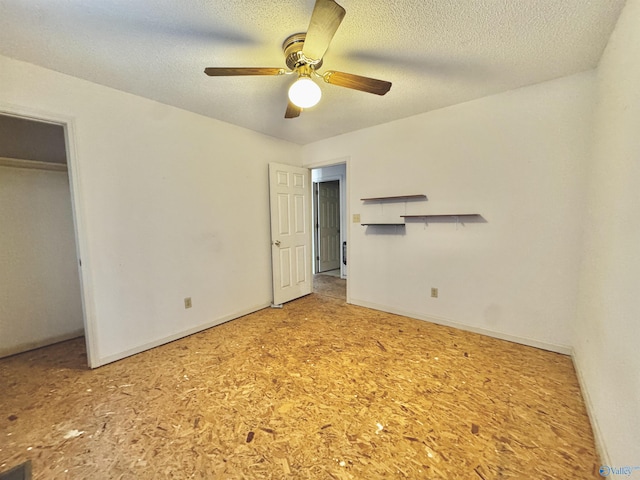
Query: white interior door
328,226
290,201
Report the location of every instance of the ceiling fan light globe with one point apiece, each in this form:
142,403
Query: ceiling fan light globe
304,93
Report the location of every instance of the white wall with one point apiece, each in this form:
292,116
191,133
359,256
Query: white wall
607,330
517,159
39,286
169,204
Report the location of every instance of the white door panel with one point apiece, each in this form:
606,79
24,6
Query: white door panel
290,200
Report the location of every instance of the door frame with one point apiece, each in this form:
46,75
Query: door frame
79,223
345,232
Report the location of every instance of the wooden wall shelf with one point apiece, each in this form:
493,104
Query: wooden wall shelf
398,198
383,224
404,198
427,215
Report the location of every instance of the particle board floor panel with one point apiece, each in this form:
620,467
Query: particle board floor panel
318,389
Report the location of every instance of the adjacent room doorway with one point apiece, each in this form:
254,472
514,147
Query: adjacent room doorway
329,216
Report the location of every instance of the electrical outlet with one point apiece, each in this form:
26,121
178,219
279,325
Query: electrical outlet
434,292
356,218
187,302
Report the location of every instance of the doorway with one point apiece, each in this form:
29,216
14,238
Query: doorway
329,217
41,290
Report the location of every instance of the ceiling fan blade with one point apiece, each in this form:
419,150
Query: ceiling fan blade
235,71
325,20
356,82
293,111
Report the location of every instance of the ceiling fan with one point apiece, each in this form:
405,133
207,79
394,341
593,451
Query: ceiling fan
303,56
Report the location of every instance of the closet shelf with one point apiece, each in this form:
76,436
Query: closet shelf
20,163
395,198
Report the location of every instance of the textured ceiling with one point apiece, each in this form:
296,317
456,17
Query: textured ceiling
436,52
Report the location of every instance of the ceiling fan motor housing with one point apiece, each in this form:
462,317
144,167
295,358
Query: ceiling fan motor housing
294,58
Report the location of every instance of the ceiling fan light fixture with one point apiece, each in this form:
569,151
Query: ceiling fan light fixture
304,54
304,93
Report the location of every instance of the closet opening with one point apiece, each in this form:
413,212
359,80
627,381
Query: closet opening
41,295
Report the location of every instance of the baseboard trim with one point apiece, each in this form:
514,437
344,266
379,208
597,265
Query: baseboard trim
601,449
171,338
25,347
563,349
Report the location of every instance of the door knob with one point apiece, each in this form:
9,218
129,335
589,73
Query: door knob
277,243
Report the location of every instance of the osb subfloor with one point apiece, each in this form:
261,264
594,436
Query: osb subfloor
318,389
